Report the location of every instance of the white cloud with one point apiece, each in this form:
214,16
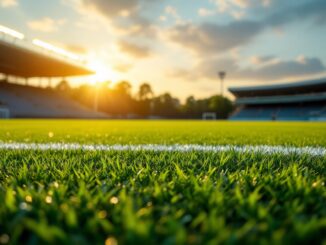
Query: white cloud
8,3
266,3
172,11
263,60
133,49
205,12
301,59
238,15
222,5
45,25
125,17
241,3
162,18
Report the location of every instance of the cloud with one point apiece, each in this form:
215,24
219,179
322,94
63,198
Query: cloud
238,14
266,3
214,39
113,8
122,67
8,3
170,10
241,3
45,25
162,18
205,12
313,9
75,48
125,15
134,50
269,72
263,60
229,6
209,38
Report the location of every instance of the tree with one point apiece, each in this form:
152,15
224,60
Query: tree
145,92
144,97
123,88
166,105
221,105
120,99
189,108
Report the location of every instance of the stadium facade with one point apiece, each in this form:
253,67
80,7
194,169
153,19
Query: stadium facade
295,101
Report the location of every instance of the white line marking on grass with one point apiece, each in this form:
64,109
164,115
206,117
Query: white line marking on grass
262,149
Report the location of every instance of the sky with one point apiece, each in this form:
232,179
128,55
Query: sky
180,45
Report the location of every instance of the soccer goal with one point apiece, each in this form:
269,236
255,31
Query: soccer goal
209,116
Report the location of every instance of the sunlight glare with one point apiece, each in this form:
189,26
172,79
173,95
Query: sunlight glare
103,72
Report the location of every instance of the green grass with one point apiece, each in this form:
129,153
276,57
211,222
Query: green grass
76,197
165,132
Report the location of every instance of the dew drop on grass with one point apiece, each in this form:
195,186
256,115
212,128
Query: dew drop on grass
56,184
114,200
187,218
50,134
111,241
23,206
102,214
48,199
4,238
28,198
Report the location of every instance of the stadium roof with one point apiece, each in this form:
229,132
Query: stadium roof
23,62
302,87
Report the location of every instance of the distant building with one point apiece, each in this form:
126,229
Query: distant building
296,101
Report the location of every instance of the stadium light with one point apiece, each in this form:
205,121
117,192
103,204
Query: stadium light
222,75
55,49
11,32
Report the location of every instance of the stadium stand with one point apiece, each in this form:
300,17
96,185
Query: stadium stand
296,101
33,102
37,59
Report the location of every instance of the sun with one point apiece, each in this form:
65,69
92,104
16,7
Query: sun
103,72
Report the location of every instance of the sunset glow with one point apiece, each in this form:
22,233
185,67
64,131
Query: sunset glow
102,71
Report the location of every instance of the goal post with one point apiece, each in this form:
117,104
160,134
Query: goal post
209,116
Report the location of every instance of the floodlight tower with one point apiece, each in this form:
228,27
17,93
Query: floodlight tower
222,75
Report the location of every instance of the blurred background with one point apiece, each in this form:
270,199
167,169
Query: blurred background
230,59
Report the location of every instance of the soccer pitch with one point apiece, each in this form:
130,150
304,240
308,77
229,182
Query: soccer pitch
162,182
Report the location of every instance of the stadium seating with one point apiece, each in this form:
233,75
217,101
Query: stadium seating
286,113
302,101
32,102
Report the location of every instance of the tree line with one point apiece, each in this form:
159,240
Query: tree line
120,102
